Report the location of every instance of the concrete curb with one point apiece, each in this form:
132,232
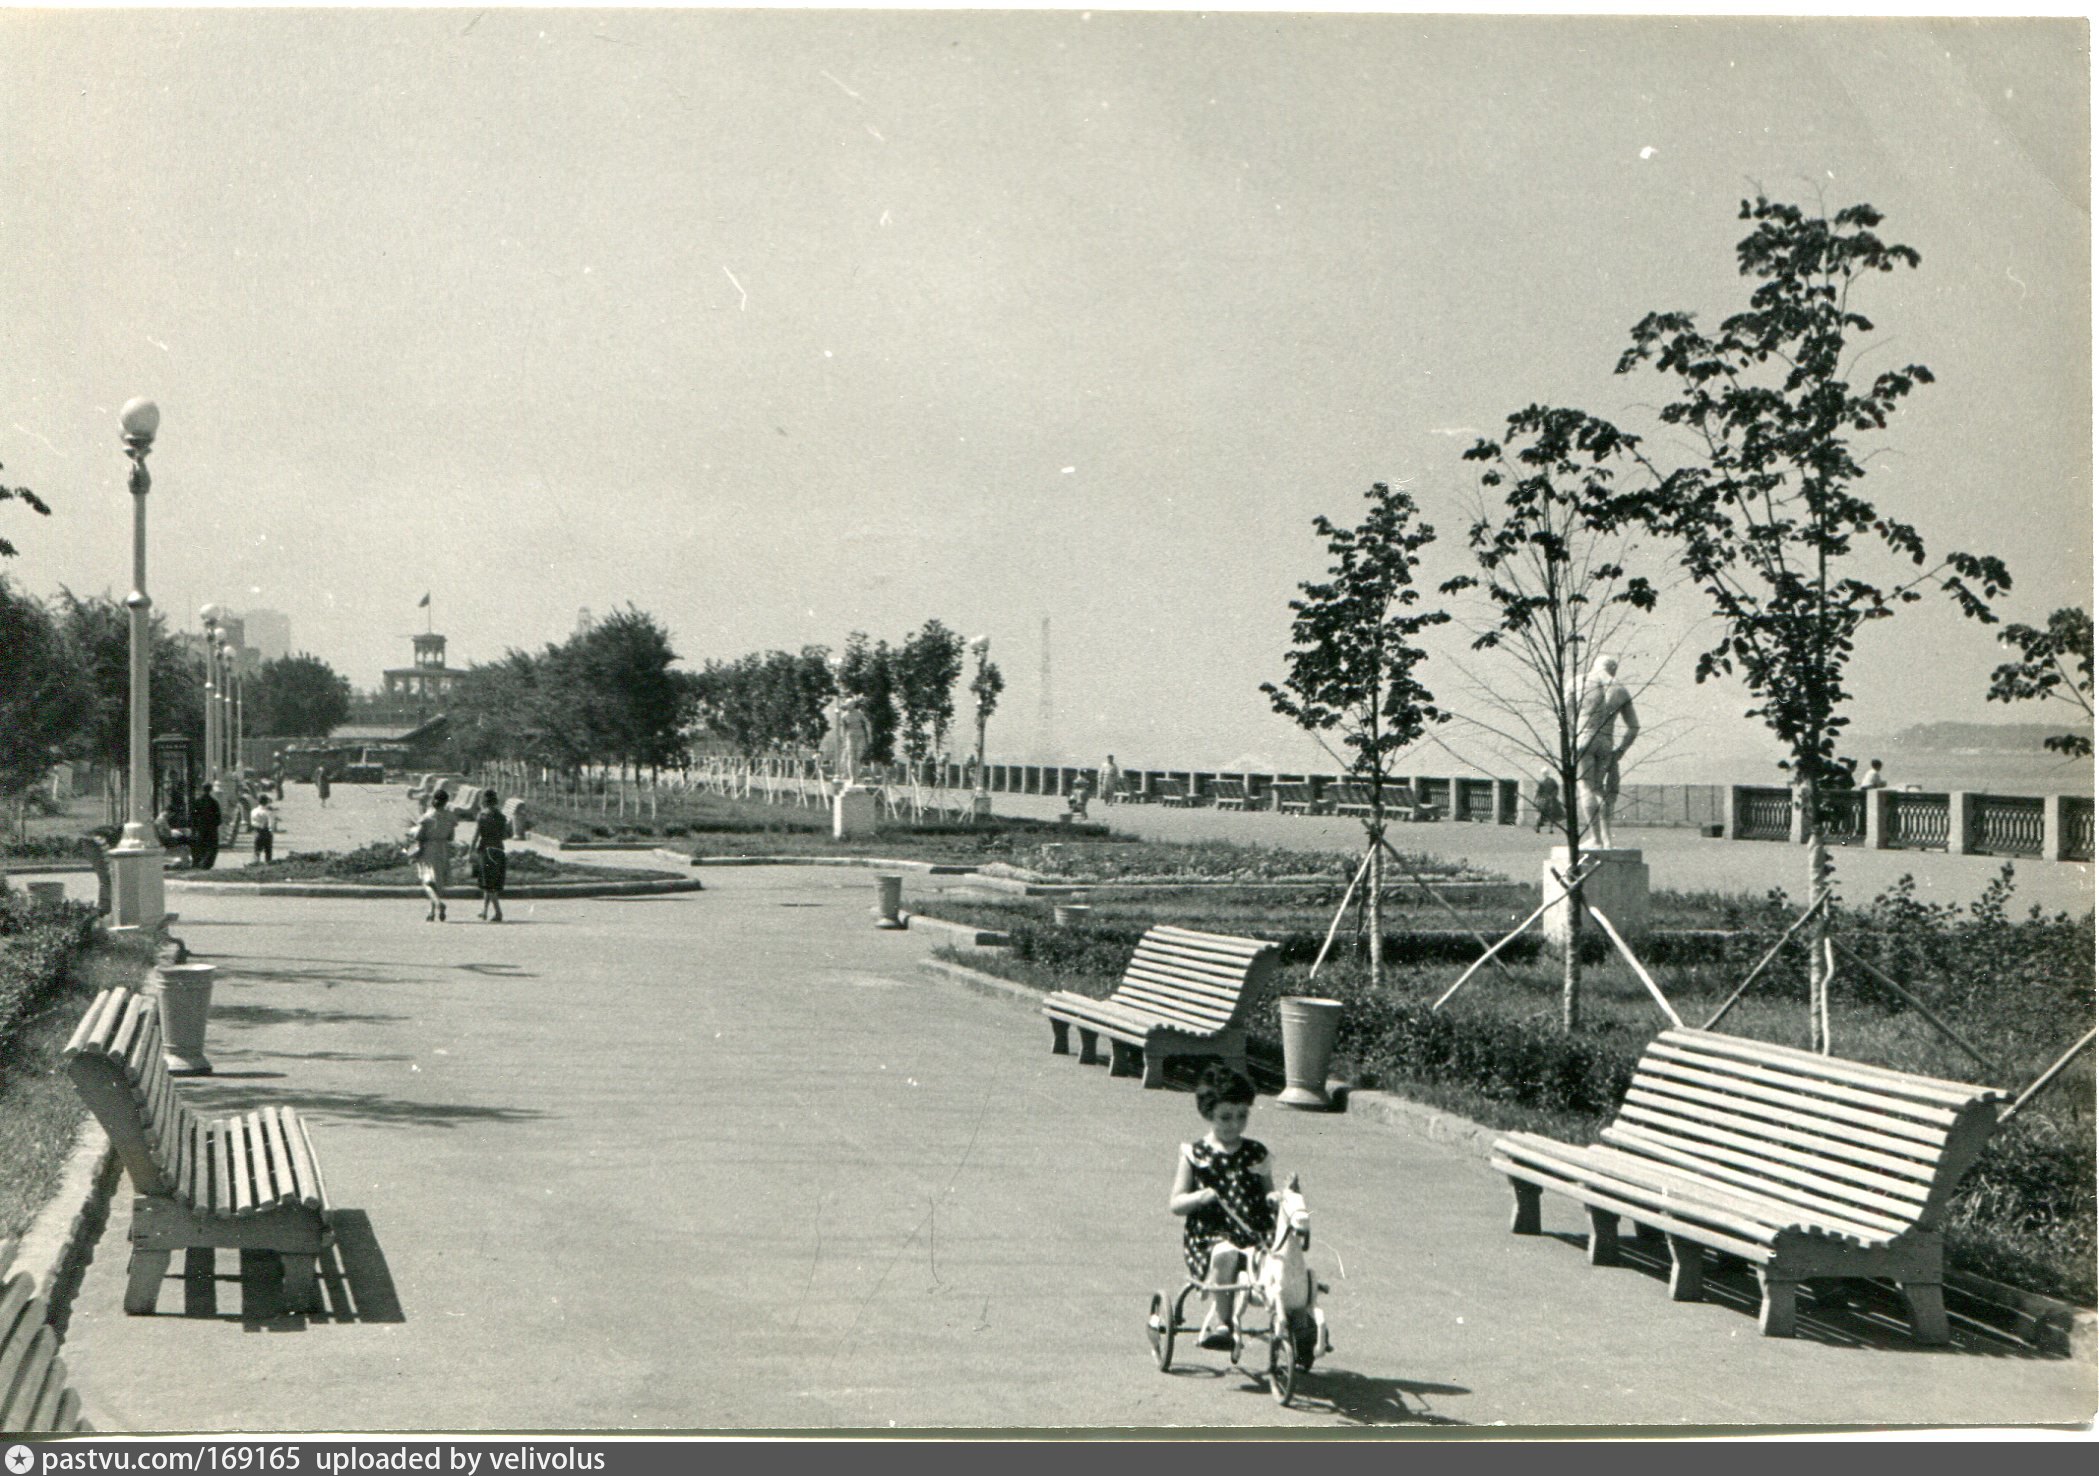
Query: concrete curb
527,891
982,982
873,863
54,1247
962,933
2048,1323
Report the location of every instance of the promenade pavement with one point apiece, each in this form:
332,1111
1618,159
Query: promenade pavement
731,1160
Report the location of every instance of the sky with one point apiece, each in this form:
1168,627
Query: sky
781,325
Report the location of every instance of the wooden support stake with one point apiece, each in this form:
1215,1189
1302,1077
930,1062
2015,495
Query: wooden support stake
2044,1078
1920,1007
1508,938
1339,913
1829,972
1440,901
1645,978
1761,964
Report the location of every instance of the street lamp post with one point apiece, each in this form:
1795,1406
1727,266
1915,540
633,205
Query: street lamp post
980,804
210,616
229,728
137,897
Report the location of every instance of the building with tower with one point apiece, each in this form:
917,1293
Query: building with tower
428,680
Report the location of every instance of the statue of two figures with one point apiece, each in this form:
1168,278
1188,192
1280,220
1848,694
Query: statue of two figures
1601,706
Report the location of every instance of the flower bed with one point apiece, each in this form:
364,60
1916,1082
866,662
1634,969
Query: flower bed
382,864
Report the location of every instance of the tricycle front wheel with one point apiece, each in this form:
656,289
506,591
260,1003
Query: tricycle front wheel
1159,1327
1282,1363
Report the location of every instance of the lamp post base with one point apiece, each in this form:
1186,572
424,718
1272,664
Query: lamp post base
137,898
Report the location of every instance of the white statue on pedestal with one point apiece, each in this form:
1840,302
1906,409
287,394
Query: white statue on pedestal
854,736
1603,701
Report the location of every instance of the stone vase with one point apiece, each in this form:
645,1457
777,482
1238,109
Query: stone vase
1309,1028
889,900
185,1008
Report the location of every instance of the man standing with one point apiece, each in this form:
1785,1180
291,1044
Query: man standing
1111,781
1604,700
204,821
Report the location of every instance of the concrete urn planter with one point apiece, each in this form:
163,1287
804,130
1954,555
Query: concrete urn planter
1309,1028
185,1008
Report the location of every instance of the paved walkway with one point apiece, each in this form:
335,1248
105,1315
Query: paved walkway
731,1160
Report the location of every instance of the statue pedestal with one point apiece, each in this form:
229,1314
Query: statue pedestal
137,898
854,812
1617,888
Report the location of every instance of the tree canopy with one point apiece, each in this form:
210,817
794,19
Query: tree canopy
298,696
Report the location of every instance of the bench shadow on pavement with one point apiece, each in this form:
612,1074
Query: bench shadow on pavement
368,1107
1839,1313
1358,1398
356,1283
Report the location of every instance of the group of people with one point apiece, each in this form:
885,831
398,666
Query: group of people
430,847
205,830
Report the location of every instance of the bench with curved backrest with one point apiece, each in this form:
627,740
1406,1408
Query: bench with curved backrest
35,1398
1185,993
1228,793
1807,1167
242,1182
1293,797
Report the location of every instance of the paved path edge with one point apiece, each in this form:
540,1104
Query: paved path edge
54,1247
2048,1323
526,891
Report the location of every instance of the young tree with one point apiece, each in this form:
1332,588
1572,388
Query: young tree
927,668
1352,662
298,696
1767,515
619,673
2040,673
1553,578
985,687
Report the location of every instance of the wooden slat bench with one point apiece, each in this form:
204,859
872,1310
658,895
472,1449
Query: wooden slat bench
1185,993
34,1396
1230,794
1808,1167
242,1182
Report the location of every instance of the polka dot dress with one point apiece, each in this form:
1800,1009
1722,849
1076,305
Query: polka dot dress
1234,1178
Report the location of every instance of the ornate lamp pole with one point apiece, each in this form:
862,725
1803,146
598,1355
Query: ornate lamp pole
210,616
229,721
137,898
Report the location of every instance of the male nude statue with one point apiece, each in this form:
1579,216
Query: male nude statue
1604,700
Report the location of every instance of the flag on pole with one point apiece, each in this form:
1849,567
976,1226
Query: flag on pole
423,603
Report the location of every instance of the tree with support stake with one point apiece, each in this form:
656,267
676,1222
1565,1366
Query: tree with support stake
1352,665
1555,581
1766,516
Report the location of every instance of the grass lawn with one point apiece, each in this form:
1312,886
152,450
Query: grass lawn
39,1110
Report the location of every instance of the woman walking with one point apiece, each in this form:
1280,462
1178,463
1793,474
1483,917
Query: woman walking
485,852
431,847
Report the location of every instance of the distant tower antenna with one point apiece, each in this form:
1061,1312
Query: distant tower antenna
1045,713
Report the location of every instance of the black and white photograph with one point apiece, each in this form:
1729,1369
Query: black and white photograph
925,724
